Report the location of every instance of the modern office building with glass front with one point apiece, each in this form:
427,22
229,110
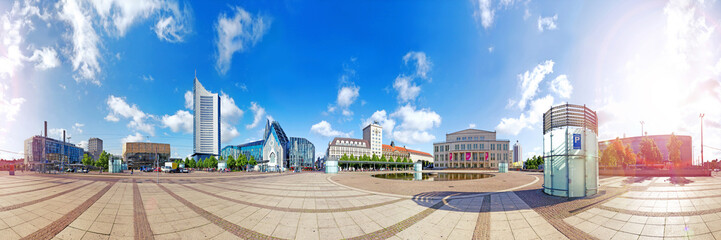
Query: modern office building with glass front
276,150
145,155
39,150
301,152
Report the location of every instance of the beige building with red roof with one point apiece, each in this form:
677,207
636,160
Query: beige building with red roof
405,153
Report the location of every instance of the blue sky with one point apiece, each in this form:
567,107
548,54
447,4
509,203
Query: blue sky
120,70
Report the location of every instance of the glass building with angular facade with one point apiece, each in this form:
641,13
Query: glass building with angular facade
276,150
39,150
301,152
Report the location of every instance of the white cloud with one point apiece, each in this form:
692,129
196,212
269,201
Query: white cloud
228,109
236,34
562,86
423,63
258,113
83,144
118,107
45,58
116,17
324,128
414,124
547,23
229,116
9,107
111,118
483,12
148,78
14,24
407,90
78,127
347,95
174,24
189,100
528,118
384,120
57,133
530,81
472,125
181,121
490,49
137,137
85,41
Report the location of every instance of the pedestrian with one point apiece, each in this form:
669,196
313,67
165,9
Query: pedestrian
131,171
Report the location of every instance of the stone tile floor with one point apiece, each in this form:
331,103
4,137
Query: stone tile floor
313,206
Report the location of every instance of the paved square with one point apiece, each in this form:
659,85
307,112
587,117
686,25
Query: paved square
349,206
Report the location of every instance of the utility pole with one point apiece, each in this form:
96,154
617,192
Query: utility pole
701,116
642,122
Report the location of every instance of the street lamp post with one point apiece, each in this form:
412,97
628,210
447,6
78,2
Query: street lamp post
66,156
642,122
701,116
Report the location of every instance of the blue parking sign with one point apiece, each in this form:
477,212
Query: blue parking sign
576,141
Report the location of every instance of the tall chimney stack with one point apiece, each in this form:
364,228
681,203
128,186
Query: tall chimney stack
46,129
63,136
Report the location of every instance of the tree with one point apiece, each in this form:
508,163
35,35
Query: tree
191,163
213,162
103,160
344,157
243,161
87,160
533,162
609,157
674,149
383,158
629,156
231,162
252,161
352,158
649,151
618,154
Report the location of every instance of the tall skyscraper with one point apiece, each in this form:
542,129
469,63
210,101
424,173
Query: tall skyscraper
95,147
517,153
206,122
373,133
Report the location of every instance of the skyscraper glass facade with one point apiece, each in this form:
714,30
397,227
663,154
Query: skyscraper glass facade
206,122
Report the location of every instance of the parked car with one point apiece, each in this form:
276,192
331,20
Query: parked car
84,170
70,170
184,170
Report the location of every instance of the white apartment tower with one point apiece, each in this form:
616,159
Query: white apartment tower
373,133
206,122
517,153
